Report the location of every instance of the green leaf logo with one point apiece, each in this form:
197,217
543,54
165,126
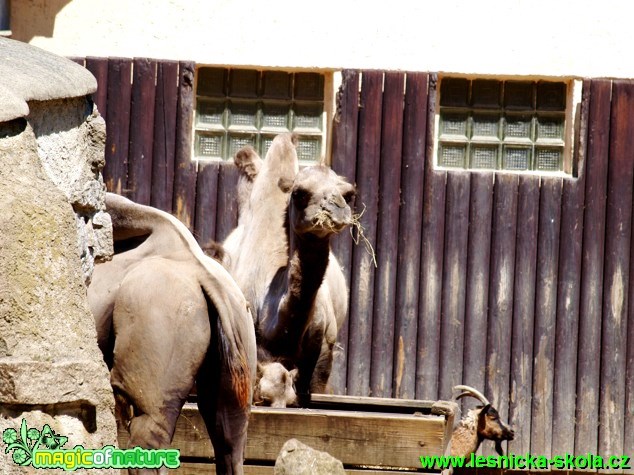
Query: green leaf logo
18,443
25,442
10,436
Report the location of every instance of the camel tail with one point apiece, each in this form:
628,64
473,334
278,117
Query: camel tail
234,362
235,346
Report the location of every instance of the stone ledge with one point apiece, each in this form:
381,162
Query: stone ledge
29,73
44,383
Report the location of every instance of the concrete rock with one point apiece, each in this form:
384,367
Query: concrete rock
70,137
32,74
51,370
52,228
297,458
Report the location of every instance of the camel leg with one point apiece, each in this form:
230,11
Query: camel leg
311,348
153,431
322,370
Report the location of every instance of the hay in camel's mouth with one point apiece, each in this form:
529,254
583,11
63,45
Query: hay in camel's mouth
360,235
323,220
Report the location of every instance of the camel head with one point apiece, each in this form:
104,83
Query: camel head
320,202
275,385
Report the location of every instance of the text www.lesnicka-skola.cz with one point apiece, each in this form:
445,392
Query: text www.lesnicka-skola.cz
529,462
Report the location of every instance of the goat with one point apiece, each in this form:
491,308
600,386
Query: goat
481,422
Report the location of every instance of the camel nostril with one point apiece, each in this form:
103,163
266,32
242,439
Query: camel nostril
337,200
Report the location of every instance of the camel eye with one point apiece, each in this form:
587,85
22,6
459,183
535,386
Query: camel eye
300,197
349,196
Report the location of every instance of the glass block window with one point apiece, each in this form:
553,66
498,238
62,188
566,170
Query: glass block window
512,125
238,107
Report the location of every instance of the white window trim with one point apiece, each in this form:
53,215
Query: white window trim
329,108
572,116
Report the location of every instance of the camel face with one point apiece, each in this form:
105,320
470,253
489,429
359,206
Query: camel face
320,202
275,386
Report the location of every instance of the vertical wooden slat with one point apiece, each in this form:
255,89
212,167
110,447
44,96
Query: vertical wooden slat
141,130
524,314
409,235
99,68
79,60
428,342
164,135
184,168
588,362
344,162
227,202
545,315
502,275
387,235
478,261
362,282
206,202
568,291
618,230
454,281
118,124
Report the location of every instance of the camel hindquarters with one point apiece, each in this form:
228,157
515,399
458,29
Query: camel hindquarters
160,342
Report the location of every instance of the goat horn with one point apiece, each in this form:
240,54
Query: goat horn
469,391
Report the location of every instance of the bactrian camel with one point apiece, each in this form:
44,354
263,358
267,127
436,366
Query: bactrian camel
167,315
280,257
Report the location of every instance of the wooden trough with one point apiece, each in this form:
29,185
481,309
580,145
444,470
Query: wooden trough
369,435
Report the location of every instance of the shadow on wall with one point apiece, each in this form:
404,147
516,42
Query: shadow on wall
34,18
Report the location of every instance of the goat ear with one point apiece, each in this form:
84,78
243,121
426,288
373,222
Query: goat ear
482,417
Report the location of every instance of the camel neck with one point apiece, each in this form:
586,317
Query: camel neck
308,259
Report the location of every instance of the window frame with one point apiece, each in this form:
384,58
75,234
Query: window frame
327,113
571,116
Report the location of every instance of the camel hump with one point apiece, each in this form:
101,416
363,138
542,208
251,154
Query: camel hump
248,162
130,219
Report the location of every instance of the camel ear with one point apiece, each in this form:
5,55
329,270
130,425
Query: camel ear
294,372
285,184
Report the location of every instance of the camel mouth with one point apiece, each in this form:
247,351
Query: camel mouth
323,220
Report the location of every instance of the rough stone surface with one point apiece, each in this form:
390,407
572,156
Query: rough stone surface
32,74
71,137
51,370
297,458
52,228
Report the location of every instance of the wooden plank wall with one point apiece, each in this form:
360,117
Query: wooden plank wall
518,285
521,283
148,108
